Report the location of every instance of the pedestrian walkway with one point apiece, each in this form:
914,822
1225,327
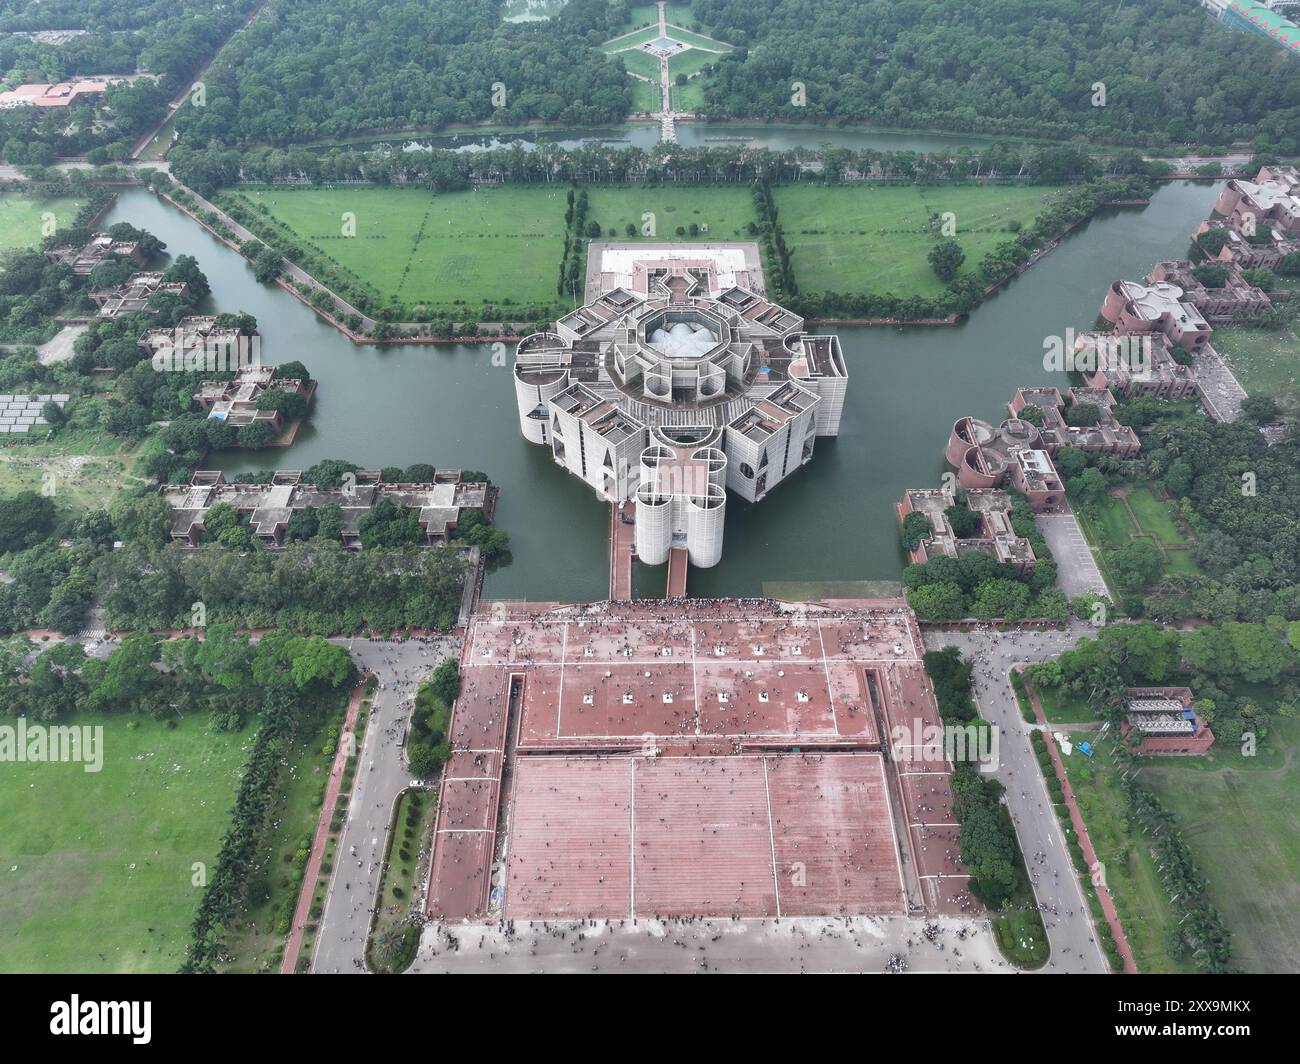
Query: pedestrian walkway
1081,832
302,914
622,542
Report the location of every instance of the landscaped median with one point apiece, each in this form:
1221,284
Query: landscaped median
394,934
987,839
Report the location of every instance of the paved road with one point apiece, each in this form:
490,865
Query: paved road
400,666
860,944
1221,392
1069,927
1076,567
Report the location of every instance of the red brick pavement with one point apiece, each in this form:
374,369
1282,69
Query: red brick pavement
1081,830
301,915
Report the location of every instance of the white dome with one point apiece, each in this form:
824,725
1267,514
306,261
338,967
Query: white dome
683,340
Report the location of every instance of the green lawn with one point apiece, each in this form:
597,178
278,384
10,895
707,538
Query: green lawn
639,62
25,220
726,211
1137,512
83,469
1139,896
1155,516
1239,818
631,40
1266,361
493,244
646,98
688,97
98,867
675,13
1061,708
680,33
692,61
876,239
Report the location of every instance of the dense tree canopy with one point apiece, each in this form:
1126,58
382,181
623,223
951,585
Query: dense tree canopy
313,69
1171,74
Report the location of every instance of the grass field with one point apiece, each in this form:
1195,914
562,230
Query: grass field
84,469
1139,896
688,97
97,867
646,98
702,52
1238,817
26,220
490,245
675,13
854,239
1134,513
1266,361
1061,708
639,62
631,39
725,210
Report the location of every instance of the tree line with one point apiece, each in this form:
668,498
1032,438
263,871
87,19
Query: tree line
1158,73
319,69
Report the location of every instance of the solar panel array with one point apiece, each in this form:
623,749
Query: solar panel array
20,414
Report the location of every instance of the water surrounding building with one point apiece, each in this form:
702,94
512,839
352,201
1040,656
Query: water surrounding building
676,385
100,248
400,403
235,401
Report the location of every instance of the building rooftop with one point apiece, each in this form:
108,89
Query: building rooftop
58,94
270,506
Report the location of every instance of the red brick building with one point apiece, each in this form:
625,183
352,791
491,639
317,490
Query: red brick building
1162,721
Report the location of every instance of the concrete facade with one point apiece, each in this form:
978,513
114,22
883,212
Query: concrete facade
673,391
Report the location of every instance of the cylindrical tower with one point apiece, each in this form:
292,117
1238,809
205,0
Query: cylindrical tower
717,461
1112,307
966,433
654,525
534,387
981,469
706,516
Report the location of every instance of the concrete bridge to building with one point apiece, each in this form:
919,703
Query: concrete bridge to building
622,550
622,553
677,568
